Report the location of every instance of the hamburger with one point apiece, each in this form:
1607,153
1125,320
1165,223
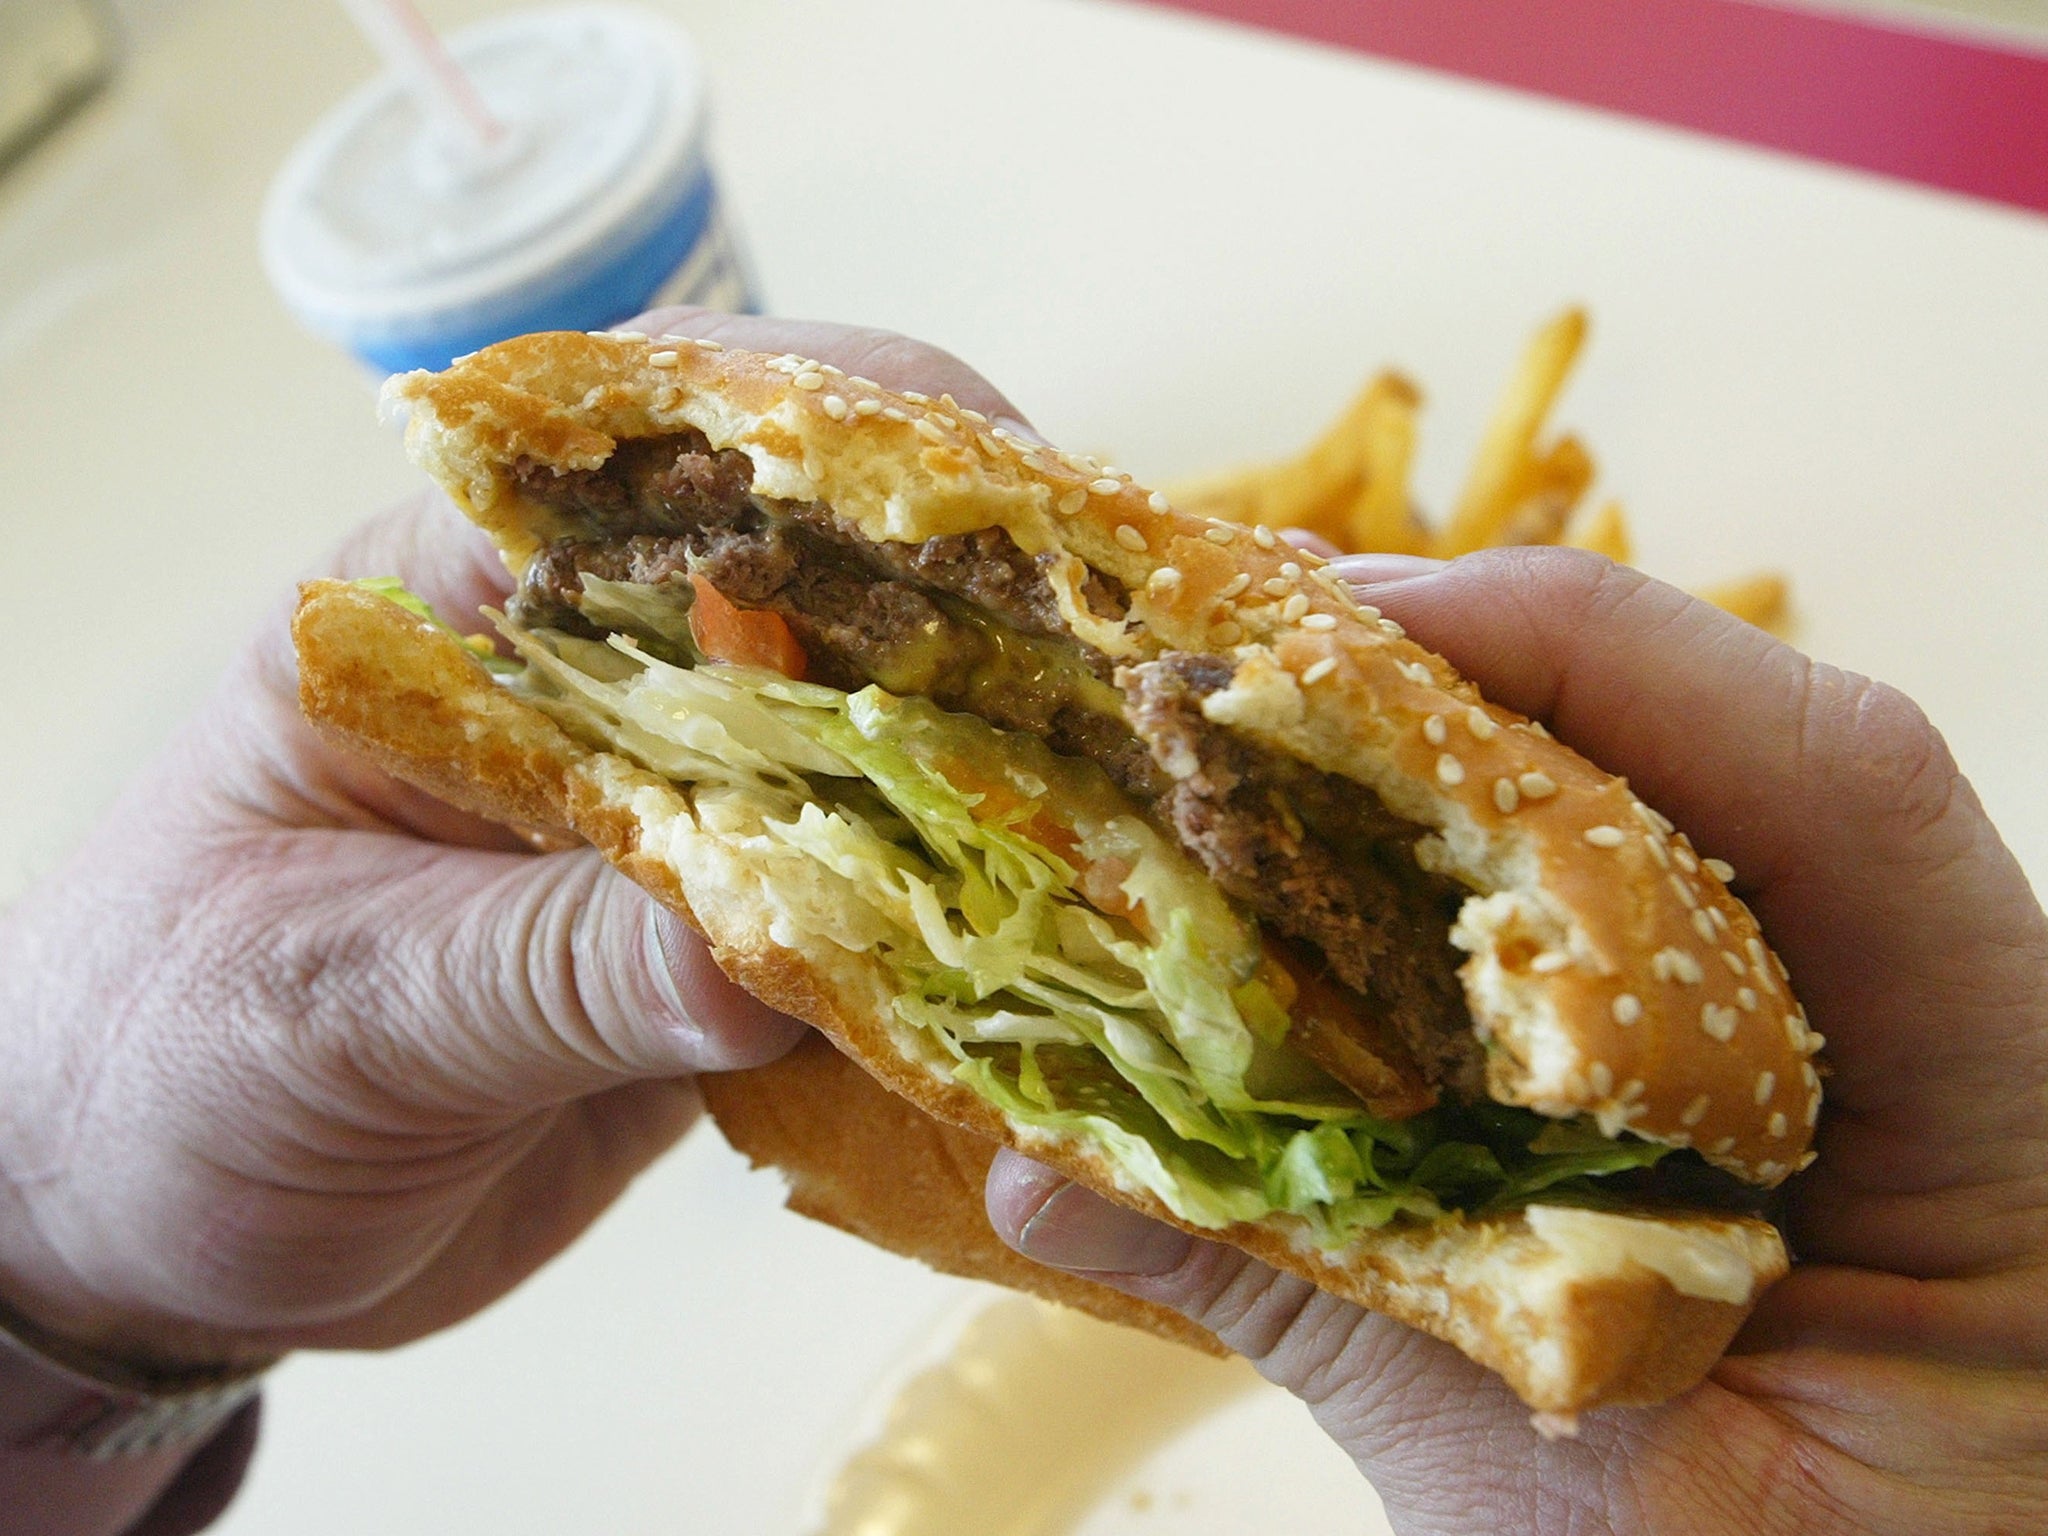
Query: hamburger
1122,837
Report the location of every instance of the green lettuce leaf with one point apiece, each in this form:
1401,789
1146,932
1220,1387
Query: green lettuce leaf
959,850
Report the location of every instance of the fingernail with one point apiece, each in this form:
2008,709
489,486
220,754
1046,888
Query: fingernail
1017,427
1314,543
1375,570
1078,1229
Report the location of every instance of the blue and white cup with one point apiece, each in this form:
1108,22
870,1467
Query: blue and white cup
410,245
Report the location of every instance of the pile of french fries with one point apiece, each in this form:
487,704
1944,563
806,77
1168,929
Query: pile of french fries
1351,485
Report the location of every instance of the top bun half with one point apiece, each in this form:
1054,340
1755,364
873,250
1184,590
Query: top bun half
1610,971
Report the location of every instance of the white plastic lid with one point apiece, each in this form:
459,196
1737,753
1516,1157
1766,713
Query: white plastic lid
378,215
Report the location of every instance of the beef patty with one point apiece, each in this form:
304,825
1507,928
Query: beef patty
970,621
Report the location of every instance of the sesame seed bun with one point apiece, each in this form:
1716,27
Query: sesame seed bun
1609,969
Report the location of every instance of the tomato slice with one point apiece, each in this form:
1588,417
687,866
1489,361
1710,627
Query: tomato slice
745,637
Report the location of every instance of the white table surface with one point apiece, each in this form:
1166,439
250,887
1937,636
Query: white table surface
1170,240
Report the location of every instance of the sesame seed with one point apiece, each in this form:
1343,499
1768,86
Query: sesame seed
1685,859
1536,786
1746,997
1719,1022
1806,1161
974,416
834,407
929,430
915,398
1604,836
1480,723
1158,503
1105,486
1390,627
1227,633
1674,964
1111,472
1656,846
1235,585
1433,730
1723,1147
1319,621
1290,570
1550,962
1601,1077
705,343
862,381
1538,728
1795,1032
1416,672
1295,606
1734,963
1505,796
1072,502
1276,586
625,335
1316,671
1718,918
1449,770
1684,890
1696,1111
664,359
989,445
1815,1041
1768,1169
1631,1090
1766,1085
1263,537
867,407
1702,926
1627,1007
1812,1110
809,380
1165,579
1720,869
895,413
1130,538
1808,1076
1218,535
1038,466
1775,1126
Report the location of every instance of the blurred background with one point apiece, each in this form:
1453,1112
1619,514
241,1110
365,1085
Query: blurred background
1175,240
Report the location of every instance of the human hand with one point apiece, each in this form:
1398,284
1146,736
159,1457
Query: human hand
297,1055
1897,1380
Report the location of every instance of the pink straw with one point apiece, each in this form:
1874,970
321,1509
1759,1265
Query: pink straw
397,30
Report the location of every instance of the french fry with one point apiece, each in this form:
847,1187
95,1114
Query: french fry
1500,474
1551,488
1352,484
1604,532
1382,516
1763,599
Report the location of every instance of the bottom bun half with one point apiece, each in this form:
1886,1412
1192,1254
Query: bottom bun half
1574,1309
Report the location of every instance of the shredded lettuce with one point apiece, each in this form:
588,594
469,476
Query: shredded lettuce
1145,1032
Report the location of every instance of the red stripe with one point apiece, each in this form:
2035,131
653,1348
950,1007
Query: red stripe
1949,112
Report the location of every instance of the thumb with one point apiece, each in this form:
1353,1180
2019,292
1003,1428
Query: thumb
494,983
1855,837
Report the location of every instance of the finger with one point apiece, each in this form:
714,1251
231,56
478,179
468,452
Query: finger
891,360
1399,1401
480,987
584,1158
1862,848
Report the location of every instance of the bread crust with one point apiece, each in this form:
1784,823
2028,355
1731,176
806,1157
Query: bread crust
1567,1334
1611,969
